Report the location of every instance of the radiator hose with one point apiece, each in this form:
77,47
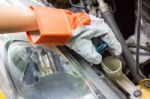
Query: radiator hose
108,17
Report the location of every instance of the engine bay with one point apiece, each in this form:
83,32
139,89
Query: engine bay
123,77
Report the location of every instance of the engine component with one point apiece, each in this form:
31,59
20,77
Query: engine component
113,69
145,88
125,52
102,47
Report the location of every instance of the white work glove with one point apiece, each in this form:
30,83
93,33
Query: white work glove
74,30
82,44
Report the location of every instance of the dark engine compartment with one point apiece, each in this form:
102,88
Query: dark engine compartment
125,16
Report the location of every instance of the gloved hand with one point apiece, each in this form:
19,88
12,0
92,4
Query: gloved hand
59,27
82,44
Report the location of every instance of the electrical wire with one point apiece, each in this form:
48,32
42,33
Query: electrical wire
137,32
145,48
140,46
141,53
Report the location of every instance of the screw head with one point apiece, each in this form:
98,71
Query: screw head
137,93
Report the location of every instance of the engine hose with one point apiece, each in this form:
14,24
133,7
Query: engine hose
137,32
108,17
140,47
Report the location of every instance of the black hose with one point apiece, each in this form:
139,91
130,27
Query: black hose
141,53
137,32
140,46
125,51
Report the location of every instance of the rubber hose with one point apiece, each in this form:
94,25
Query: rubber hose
125,51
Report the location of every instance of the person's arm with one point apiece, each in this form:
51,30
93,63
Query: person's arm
60,27
14,19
